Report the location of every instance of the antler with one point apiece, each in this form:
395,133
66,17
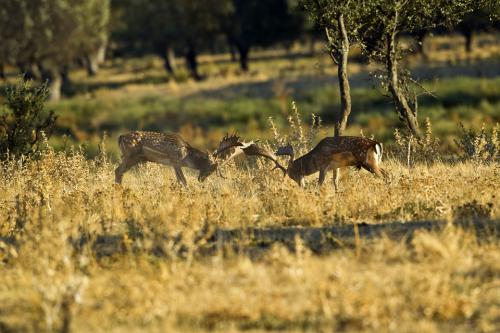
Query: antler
254,150
231,146
227,147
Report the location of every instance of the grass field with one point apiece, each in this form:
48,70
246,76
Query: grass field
61,264
252,251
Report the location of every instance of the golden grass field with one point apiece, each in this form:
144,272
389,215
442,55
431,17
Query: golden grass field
159,278
81,254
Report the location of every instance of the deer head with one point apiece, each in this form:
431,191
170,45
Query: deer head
286,150
206,169
292,169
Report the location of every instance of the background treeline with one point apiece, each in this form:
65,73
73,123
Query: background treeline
43,38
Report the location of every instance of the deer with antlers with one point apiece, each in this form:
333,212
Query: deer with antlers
170,149
333,153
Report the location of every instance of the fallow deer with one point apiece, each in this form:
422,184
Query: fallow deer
170,149
334,153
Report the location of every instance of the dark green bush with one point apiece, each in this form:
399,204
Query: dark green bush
23,119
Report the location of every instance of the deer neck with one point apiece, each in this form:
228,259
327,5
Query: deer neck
304,165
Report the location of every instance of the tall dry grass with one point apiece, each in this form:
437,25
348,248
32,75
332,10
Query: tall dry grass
56,207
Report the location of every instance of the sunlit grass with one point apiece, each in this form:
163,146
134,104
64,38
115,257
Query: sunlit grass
439,281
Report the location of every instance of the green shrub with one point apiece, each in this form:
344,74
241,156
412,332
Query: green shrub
480,146
24,121
411,150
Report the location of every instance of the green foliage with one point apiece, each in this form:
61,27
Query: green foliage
255,22
485,19
51,34
480,146
380,35
24,123
397,16
410,150
154,25
327,13
54,31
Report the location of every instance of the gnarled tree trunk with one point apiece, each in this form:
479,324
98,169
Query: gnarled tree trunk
30,71
243,50
101,52
400,101
192,63
92,64
55,80
232,51
95,58
345,89
340,55
169,63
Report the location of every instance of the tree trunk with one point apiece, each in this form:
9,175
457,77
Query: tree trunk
400,101
192,63
55,79
232,51
92,63
66,88
311,42
30,71
168,57
95,58
101,52
2,71
344,87
244,50
171,59
468,42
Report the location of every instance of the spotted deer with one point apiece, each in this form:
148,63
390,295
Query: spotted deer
333,153
171,149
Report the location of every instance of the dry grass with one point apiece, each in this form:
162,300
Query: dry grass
446,280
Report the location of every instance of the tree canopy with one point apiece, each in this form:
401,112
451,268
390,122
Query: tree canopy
51,33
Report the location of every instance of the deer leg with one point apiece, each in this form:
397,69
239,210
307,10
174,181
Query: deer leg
180,176
336,177
124,167
302,182
322,174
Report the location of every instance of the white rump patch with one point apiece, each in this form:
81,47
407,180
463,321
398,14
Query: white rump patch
378,152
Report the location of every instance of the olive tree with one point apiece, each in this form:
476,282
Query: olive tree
167,26
93,34
381,32
149,26
485,19
51,34
250,23
341,20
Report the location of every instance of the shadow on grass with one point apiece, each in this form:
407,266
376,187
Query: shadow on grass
78,88
255,242
299,85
